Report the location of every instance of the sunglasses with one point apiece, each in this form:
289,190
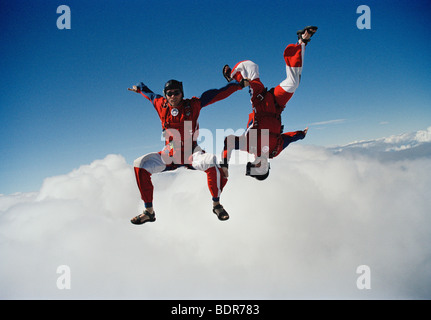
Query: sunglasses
173,93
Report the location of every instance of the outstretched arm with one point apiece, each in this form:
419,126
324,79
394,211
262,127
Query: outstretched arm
214,95
290,137
145,91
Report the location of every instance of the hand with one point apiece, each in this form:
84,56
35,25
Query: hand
134,89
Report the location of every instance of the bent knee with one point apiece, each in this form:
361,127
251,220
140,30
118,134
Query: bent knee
248,70
204,161
151,162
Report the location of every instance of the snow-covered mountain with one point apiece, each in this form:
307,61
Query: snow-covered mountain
397,147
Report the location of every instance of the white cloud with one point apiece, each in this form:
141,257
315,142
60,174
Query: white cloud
299,234
335,121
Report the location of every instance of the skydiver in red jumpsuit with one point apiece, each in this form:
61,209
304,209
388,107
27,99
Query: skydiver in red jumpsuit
264,136
179,119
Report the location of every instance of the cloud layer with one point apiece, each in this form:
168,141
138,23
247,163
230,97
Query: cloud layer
301,233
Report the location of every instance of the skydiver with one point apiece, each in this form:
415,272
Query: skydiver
179,118
268,139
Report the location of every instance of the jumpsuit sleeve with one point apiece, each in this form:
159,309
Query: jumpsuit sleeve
156,100
147,93
290,137
214,95
293,55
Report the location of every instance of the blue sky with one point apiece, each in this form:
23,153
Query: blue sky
63,97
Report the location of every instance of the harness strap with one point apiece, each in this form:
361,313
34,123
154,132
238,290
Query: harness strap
269,114
188,114
273,115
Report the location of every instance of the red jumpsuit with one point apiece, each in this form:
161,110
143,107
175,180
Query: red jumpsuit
180,126
267,139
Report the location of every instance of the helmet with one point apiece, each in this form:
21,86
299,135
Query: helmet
172,85
256,172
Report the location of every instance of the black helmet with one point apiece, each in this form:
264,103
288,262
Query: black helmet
260,177
173,85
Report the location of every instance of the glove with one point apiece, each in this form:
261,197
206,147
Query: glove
139,88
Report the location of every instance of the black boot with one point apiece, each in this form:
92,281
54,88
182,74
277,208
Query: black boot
226,73
311,30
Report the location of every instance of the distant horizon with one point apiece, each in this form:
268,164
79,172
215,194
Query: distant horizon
401,142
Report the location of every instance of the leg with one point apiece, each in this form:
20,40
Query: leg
249,70
245,70
145,186
144,167
207,162
231,143
216,179
293,56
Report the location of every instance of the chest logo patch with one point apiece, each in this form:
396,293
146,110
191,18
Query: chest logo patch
174,112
